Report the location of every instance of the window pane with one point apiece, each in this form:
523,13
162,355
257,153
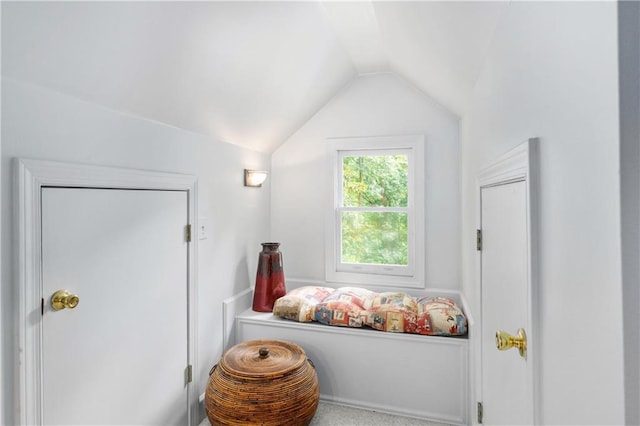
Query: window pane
374,238
375,181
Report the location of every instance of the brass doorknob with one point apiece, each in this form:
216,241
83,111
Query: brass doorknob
506,341
63,299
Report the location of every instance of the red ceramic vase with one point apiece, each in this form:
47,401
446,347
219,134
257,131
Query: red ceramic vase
269,278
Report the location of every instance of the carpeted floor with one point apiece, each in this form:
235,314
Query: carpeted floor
339,415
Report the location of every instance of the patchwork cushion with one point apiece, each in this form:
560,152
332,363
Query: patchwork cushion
393,312
440,316
299,304
390,311
345,307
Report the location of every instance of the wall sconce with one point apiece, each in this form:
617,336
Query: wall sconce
254,178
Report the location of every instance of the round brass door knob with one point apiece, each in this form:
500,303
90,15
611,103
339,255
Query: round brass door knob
506,341
63,299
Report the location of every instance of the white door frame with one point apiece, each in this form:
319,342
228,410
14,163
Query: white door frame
31,176
519,164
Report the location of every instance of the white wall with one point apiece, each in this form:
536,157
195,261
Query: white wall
551,73
372,105
38,123
629,59
2,351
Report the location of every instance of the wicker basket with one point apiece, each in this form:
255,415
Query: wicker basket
262,382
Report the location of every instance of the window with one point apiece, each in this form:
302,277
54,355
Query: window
375,228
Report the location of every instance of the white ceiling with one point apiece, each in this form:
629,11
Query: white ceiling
247,73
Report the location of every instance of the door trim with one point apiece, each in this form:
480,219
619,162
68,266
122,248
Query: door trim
519,164
31,176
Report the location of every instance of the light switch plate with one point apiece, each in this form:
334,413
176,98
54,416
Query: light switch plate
204,228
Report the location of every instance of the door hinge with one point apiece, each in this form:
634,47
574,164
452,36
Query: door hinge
188,232
478,239
42,306
480,412
189,373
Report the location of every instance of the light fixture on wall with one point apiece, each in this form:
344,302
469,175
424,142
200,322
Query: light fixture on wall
254,178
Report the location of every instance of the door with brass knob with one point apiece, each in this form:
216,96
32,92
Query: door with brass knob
62,299
505,369
108,258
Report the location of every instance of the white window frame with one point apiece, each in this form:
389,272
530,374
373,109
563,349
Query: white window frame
412,275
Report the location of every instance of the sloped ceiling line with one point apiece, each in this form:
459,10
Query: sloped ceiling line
357,27
248,73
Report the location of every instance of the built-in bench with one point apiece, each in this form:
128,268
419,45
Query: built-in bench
399,373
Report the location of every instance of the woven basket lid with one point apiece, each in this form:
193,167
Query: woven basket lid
261,359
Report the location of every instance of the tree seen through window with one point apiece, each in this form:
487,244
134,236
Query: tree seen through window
374,209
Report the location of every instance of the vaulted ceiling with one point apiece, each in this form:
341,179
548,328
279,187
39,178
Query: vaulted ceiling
247,73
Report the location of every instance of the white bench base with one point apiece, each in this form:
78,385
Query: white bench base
397,373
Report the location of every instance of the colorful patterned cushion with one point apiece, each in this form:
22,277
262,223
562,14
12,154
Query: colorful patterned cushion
440,316
389,311
345,307
393,312
299,304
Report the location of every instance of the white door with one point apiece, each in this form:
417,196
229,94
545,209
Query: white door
119,356
507,388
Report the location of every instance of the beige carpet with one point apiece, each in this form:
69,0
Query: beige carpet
338,415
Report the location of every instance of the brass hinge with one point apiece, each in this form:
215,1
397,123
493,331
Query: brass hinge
478,239
42,306
189,373
189,233
480,412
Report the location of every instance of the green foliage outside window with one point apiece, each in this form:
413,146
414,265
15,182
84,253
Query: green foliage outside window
375,237
375,181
